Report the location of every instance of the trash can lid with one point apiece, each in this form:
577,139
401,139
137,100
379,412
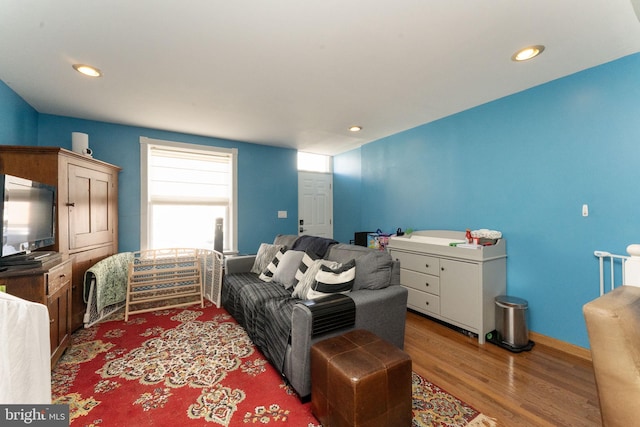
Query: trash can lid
510,301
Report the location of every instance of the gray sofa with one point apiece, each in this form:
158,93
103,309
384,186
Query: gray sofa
284,327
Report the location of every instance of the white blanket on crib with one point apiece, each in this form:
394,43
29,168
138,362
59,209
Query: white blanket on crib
25,352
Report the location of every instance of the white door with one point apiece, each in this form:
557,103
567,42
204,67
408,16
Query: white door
315,204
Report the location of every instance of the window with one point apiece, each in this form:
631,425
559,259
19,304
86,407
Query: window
185,188
314,162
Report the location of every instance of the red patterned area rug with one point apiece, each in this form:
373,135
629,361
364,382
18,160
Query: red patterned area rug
197,367
433,406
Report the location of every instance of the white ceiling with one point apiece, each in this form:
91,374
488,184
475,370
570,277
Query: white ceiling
296,73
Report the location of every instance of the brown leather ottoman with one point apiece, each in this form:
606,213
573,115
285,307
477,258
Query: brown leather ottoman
359,379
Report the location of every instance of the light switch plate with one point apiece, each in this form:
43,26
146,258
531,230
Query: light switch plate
282,214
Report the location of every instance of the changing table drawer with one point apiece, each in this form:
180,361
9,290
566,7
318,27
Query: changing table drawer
416,262
420,281
423,301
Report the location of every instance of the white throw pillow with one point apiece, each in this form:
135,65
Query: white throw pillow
330,280
285,274
309,277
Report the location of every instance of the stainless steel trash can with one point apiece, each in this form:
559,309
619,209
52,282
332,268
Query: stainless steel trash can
511,321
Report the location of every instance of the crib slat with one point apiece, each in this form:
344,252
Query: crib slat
611,259
163,279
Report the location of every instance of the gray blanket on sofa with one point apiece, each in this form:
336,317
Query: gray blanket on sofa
315,244
246,297
278,330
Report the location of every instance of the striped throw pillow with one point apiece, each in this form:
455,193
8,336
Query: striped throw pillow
267,273
333,280
308,259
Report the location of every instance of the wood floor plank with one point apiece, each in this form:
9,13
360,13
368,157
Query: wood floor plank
538,388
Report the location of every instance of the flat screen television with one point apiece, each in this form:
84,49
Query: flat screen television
28,212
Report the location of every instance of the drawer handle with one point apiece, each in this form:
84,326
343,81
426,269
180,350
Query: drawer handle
426,303
442,269
426,265
426,284
71,204
62,276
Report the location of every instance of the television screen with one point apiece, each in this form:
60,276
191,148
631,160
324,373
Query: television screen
28,214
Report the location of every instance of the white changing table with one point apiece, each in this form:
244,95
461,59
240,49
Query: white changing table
457,285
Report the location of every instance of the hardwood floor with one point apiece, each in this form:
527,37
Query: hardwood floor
541,387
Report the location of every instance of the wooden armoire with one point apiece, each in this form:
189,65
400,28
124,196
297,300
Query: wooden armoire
87,206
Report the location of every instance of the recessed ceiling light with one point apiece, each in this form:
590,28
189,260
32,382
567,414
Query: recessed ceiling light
87,70
355,128
527,53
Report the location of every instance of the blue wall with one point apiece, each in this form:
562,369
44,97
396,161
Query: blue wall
347,188
525,165
261,191
18,120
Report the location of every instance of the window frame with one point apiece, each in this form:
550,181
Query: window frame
324,163
146,144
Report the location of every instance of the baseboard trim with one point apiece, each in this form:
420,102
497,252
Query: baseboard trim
572,349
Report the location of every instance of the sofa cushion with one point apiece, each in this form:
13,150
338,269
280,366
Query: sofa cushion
285,239
266,253
307,280
231,290
285,274
373,267
277,330
330,280
251,300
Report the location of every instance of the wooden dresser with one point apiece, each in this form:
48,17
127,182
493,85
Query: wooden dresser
87,207
51,286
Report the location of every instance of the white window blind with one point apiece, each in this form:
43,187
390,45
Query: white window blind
187,188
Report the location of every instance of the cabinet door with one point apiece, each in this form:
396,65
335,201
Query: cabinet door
460,296
90,221
59,305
